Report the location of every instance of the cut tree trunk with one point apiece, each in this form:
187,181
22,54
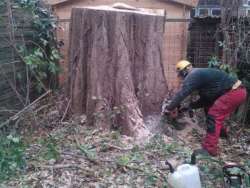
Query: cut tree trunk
116,72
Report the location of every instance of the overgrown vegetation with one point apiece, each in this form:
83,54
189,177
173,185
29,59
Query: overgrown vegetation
49,149
214,62
235,31
31,35
41,53
12,159
34,53
14,154
240,116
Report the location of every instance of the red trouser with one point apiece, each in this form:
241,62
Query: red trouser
217,113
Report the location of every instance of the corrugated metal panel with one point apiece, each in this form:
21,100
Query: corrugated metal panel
191,3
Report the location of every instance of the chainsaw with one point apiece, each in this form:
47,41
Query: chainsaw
235,176
168,121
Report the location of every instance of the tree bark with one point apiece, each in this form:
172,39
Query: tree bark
116,73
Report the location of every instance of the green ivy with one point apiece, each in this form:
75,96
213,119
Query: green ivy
241,71
214,62
41,53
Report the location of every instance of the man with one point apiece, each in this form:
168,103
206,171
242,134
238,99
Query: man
219,94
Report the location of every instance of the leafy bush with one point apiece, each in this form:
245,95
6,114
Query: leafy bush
214,62
39,49
241,71
12,159
49,149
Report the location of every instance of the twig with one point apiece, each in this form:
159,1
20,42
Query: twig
8,111
179,138
27,86
66,111
95,131
17,115
245,114
43,51
23,60
60,166
9,63
163,174
238,133
91,159
13,87
119,148
42,107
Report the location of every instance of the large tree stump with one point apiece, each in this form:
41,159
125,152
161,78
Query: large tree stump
116,72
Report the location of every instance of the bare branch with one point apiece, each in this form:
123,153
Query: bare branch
19,114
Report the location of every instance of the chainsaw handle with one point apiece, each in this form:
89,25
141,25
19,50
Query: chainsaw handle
227,166
171,168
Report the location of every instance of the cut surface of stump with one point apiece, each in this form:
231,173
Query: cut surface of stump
116,72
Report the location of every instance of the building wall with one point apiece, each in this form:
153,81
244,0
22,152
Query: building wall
174,46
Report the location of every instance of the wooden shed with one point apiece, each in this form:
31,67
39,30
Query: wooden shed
176,28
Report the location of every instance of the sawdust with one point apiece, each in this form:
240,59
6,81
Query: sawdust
191,135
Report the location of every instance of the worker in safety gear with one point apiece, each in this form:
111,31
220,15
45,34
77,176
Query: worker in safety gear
219,94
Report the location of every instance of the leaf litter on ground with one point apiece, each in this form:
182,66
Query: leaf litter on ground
72,154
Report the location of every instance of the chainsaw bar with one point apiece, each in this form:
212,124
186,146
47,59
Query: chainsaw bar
166,126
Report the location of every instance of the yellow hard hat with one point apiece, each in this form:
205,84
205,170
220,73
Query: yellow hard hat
181,65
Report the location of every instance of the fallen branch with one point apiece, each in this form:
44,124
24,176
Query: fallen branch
13,87
18,115
64,166
119,148
59,166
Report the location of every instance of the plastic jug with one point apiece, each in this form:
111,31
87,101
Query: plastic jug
185,176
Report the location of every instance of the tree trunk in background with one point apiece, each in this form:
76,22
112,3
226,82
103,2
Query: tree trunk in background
229,19
116,73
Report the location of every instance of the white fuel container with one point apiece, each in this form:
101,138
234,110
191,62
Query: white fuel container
185,176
